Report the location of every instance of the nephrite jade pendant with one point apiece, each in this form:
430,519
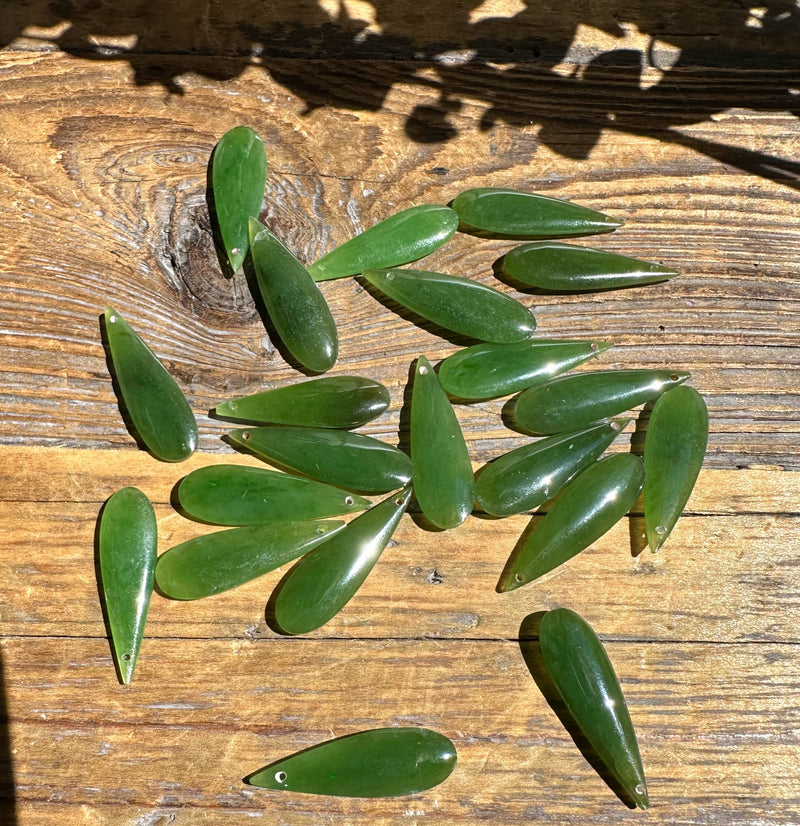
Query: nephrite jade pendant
674,447
325,580
378,763
443,482
331,401
336,457
158,410
236,495
572,402
238,179
530,475
589,506
580,669
217,562
294,302
486,371
458,304
400,239
507,213
127,549
551,266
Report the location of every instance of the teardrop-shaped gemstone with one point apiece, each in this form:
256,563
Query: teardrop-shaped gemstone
157,408
237,495
530,475
573,402
674,447
385,762
551,266
578,665
217,562
336,457
491,212
294,302
238,179
458,304
589,506
402,238
325,580
444,485
486,371
127,549
330,401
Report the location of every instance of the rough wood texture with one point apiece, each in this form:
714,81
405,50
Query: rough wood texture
681,119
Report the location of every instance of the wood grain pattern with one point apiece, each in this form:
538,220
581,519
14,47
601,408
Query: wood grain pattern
681,119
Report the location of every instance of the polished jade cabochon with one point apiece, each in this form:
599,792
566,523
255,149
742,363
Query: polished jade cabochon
387,762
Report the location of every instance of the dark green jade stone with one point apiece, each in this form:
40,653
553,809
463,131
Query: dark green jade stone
294,302
551,266
325,580
674,448
572,402
581,671
387,762
400,239
127,549
237,495
486,371
157,408
458,304
443,481
492,212
530,475
589,506
217,562
238,179
336,457
330,401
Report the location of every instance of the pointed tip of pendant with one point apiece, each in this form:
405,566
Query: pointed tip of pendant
639,795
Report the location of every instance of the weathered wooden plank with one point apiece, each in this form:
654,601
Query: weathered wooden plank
724,577
201,715
104,204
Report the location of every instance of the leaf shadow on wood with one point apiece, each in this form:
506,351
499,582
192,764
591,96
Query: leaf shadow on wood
532,655
8,814
648,70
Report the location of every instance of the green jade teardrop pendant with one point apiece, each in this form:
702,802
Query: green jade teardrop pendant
386,762
530,475
325,580
444,485
158,410
294,302
486,371
491,212
336,457
573,402
238,179
458,304
674,447
217,562
127,549
236,495
330,401
578,665
551,266
589,506
402,238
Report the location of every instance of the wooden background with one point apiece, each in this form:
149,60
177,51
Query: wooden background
681,120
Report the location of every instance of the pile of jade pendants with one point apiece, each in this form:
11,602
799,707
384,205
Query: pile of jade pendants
325,471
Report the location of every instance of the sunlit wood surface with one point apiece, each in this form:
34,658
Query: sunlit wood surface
682,122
